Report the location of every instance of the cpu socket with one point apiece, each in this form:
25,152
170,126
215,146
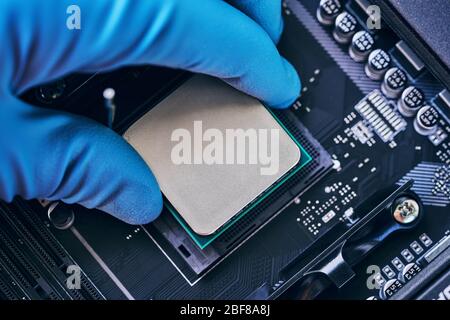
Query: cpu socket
210,209
213,150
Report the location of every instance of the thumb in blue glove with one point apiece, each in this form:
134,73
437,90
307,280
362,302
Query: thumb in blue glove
54,155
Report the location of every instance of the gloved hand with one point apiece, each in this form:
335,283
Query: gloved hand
59,156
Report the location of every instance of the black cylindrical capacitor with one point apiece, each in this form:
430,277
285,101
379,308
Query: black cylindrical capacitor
394,83
328,11
362,44
377,64
344,27
426,121
410,101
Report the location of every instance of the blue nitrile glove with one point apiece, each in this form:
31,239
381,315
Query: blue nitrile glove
59,156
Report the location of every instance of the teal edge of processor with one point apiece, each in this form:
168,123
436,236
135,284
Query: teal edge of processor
204,241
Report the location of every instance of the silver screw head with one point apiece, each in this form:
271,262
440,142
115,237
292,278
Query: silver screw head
406,211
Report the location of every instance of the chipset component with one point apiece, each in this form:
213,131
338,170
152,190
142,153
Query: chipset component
361,132
213,150
328,216
381,116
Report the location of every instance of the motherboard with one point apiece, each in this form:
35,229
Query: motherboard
364,216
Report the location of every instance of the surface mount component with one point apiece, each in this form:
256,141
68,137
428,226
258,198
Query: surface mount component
426,121
376,110
394,82
213,150
362,44
378,64
328,11
344,27
410,101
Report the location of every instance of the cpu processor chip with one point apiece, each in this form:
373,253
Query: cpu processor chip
213,150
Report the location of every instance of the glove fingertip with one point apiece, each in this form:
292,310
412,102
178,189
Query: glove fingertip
277,31
145,210
154,209
289,90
